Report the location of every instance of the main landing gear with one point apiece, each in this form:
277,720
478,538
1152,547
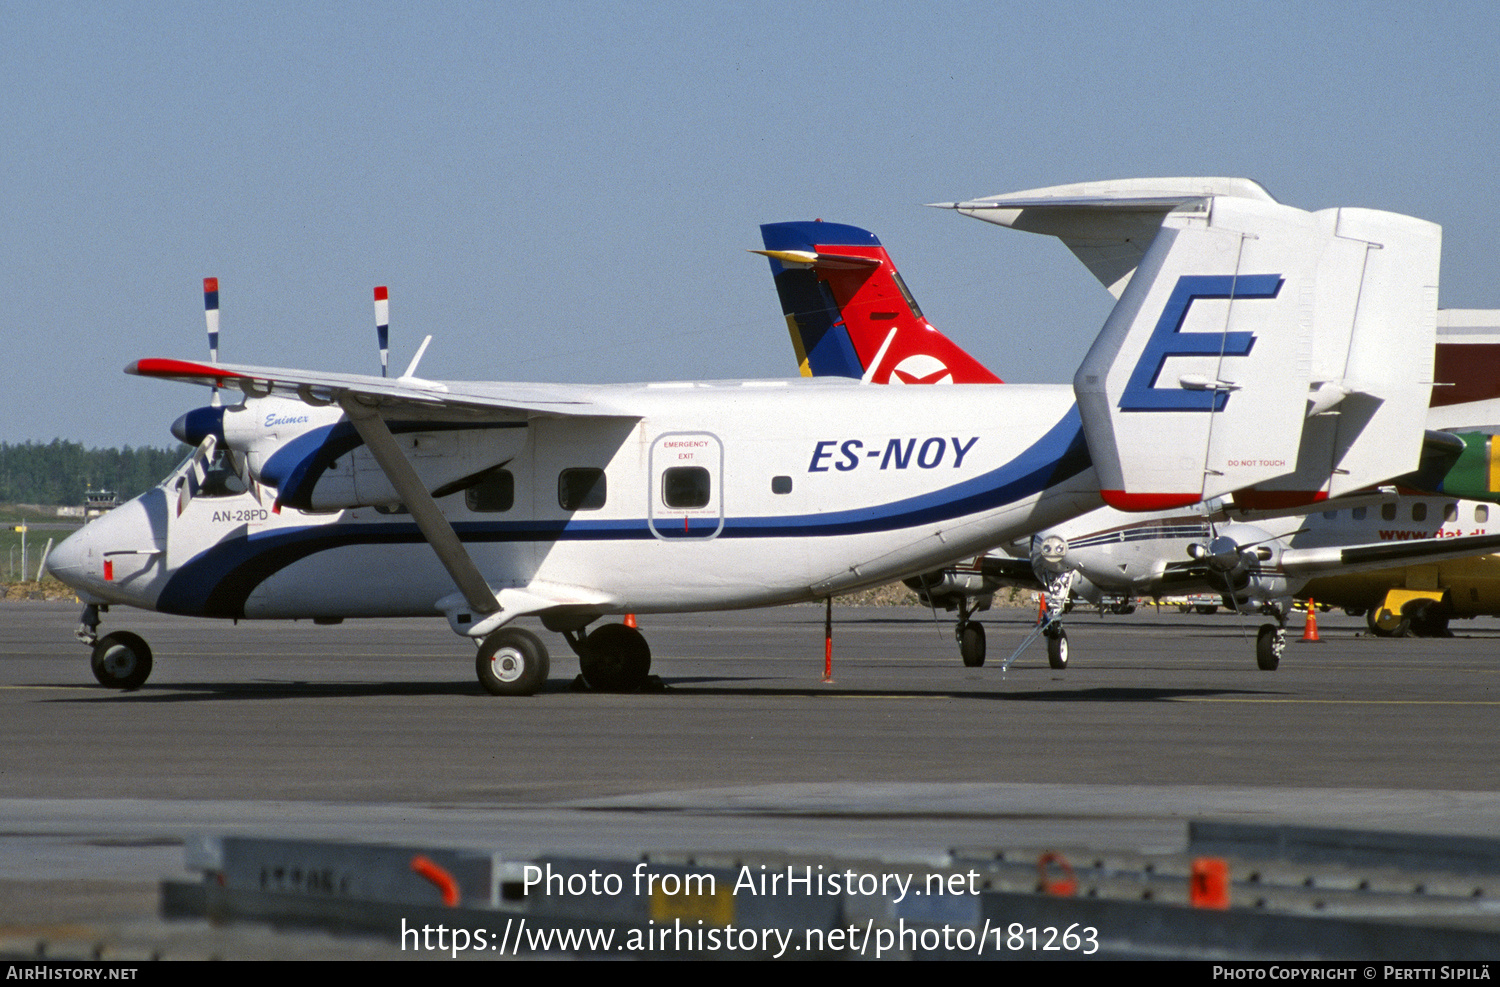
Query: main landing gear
512,662
1418,618
121,660
970,635
613,658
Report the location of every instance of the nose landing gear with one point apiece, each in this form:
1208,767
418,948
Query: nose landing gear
121,660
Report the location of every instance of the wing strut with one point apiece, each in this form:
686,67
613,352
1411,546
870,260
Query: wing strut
424,510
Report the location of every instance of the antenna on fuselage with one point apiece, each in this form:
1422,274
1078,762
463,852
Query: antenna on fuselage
383,328
211,318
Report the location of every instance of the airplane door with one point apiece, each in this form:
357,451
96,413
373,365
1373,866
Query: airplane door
687,482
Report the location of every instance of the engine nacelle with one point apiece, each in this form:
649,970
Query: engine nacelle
315,460
1243,559
1049,553
955,586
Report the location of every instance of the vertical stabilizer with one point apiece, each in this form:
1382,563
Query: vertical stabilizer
1245,321
850,314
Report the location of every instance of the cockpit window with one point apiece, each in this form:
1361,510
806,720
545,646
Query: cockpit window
219,477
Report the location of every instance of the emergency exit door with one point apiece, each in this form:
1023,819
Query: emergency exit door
687,483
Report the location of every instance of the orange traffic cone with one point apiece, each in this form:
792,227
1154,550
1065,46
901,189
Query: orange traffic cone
1310,629
1041,607
630,620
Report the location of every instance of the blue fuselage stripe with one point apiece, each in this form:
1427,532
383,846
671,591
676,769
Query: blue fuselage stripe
220,580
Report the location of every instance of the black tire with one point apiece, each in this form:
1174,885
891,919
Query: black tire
121,661
1206,608
1267,651
1057,648
971,643
1427,619
615,658
1383,623
512,662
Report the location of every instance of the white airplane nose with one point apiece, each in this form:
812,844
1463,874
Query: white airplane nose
66,561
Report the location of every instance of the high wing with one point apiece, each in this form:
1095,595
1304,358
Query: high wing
435,400
1379,555
366,401
1301,563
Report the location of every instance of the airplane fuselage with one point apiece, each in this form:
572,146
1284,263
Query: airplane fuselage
1120,554
717,495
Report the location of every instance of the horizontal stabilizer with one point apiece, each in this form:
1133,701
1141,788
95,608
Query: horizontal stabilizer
1107,225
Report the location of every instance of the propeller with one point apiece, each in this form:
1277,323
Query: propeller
383,328
196,473
1235,561
193,481
211,317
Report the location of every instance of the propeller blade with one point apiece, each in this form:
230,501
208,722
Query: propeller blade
192,481
383,327
211,317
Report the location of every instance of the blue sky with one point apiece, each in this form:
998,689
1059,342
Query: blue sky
566,192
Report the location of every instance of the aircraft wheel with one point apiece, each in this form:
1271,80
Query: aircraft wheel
1269,644
1206,608
512,662
121,661
971,643
615,658
1427,619
1057,648
1383,623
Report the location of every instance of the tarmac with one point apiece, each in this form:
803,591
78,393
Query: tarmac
377,732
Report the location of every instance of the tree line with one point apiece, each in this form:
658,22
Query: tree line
59,472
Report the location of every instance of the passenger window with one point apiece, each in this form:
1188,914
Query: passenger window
1330,515
580,489
781,484
1450,512
1388,511
1359,513
1419,511
685,487
494,493
1482,513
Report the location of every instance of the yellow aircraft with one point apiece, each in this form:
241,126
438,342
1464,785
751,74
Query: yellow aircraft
1415,600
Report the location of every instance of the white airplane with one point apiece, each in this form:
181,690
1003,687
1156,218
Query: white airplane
572,503
862,322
